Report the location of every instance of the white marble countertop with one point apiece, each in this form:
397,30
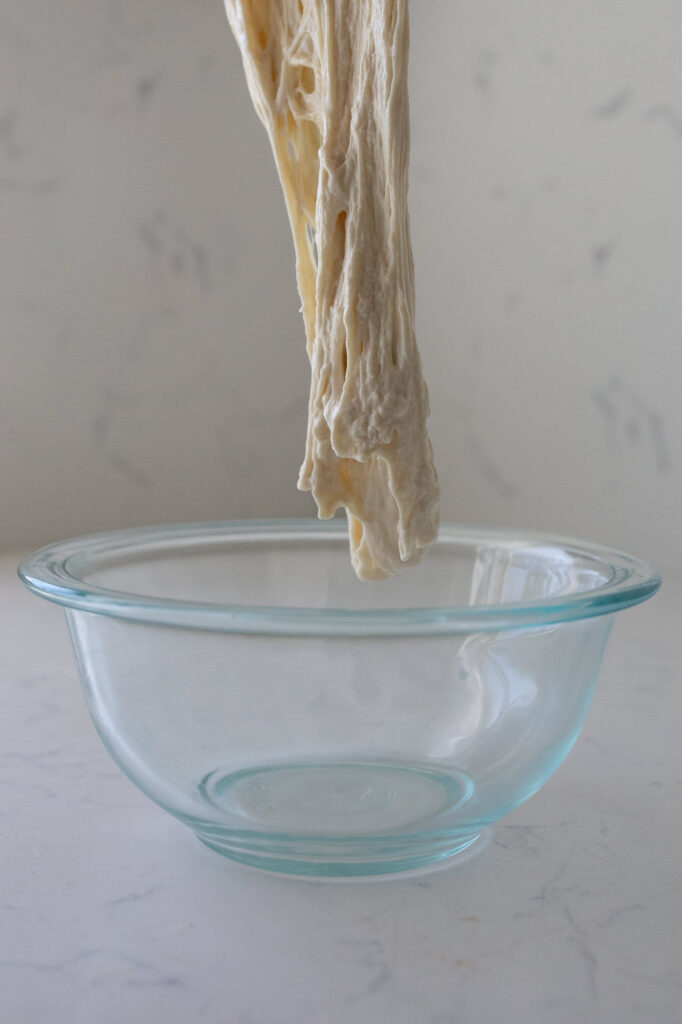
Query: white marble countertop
111,911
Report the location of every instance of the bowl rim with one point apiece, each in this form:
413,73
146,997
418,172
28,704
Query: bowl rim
49,572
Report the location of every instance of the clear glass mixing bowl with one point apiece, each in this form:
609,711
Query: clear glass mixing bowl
305,722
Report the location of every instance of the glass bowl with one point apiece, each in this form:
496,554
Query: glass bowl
305,722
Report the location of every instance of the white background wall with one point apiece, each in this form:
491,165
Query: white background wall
152,361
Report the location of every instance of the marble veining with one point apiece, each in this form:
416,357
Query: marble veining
668,115
631,419
614,105
174,251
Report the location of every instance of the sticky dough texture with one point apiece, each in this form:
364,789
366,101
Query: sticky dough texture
328,79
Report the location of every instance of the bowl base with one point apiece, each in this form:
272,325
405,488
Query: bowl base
338,819
332,864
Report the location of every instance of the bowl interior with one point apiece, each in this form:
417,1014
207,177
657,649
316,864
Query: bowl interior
311,569
294,576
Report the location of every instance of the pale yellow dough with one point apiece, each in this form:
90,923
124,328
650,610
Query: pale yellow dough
328,79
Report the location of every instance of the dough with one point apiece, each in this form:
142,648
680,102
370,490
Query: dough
328,79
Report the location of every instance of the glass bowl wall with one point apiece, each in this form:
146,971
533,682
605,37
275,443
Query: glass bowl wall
299,720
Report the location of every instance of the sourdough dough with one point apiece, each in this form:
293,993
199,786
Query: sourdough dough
328,79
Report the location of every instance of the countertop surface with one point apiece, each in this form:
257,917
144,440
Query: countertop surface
112,911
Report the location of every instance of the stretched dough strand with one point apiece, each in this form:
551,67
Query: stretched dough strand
328,79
